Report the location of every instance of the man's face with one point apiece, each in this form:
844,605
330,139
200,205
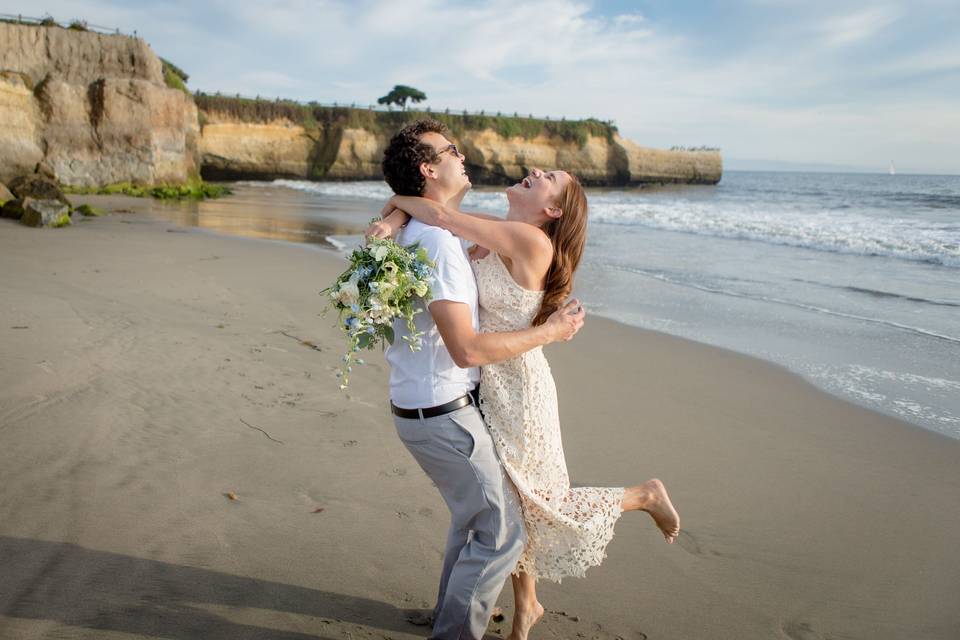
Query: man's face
447,176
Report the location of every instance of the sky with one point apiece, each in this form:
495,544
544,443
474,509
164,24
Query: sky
845,83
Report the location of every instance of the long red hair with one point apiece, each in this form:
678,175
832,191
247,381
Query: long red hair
568,233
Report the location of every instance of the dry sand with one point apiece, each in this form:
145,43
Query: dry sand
150,373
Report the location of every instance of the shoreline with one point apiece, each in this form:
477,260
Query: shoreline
319,224
163,370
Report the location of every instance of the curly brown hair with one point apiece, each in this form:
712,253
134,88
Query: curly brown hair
404,155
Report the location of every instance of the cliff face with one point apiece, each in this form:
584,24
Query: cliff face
93,107
231,149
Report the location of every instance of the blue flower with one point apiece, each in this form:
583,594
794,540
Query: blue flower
355,308
371,330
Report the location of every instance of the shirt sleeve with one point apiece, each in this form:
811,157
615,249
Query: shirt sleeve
452,277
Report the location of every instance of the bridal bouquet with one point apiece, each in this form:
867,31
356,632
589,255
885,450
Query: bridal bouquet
381,284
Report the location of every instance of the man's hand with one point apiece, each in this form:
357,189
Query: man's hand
564,323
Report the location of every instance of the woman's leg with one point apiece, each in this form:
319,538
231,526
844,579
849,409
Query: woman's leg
527,611
651,496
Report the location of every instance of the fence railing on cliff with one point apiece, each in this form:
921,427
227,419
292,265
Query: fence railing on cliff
75,25
700,148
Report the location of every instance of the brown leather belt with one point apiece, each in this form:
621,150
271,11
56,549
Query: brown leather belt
432,412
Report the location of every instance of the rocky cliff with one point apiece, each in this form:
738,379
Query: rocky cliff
94,108
237,145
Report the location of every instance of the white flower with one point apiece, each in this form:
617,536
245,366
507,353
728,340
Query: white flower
421,289
386,288
348,293
380,252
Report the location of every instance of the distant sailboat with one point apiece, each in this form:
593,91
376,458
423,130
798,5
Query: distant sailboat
892,170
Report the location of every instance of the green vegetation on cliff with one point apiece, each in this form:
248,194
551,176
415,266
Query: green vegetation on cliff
174,76
313,116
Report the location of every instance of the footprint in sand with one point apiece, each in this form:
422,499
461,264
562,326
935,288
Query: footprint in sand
558,624
799,630
692,545
688,542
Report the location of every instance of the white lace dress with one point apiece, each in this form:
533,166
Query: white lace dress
567,529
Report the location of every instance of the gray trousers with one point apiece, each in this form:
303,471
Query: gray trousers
486,534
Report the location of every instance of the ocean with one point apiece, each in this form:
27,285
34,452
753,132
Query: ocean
849,280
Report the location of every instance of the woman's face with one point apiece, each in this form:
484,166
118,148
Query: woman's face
537,192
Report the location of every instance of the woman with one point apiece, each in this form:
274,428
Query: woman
524,267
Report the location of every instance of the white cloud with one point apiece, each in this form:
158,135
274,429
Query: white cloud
792,82
859,26
270,80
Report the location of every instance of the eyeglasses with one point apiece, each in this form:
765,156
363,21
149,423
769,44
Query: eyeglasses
452,148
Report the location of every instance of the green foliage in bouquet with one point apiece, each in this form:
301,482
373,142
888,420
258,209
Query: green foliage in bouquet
382,284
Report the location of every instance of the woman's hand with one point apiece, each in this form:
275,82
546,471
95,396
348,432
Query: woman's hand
378,229
390,222
564,323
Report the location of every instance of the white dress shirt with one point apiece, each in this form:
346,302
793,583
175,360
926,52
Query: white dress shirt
429,377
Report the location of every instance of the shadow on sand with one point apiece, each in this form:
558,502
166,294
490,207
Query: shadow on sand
107,591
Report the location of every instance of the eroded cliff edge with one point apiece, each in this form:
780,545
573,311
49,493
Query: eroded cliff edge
94,108
330,144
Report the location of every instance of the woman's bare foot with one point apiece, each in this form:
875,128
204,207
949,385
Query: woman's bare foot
524,620
652,497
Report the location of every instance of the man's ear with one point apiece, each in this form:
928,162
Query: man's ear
553,212
428,170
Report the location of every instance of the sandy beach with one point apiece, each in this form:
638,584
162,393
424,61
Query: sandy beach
177,461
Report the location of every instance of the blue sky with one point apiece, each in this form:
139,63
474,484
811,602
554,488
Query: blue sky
844,82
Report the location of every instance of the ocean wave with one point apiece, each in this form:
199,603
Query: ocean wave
833,231
886,390
663,277
829,228
372,190
877,293
487,201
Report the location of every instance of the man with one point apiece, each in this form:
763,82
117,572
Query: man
433,391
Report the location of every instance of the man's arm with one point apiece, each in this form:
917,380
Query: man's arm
471,349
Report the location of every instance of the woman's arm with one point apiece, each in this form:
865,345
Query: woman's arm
506,237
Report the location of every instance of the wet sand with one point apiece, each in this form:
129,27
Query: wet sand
178,462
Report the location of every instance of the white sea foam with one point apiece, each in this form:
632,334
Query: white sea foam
888,390
345,244
825,230
371,190
835,230
488,201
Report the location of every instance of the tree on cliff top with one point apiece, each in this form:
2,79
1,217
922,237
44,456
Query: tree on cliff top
400,94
